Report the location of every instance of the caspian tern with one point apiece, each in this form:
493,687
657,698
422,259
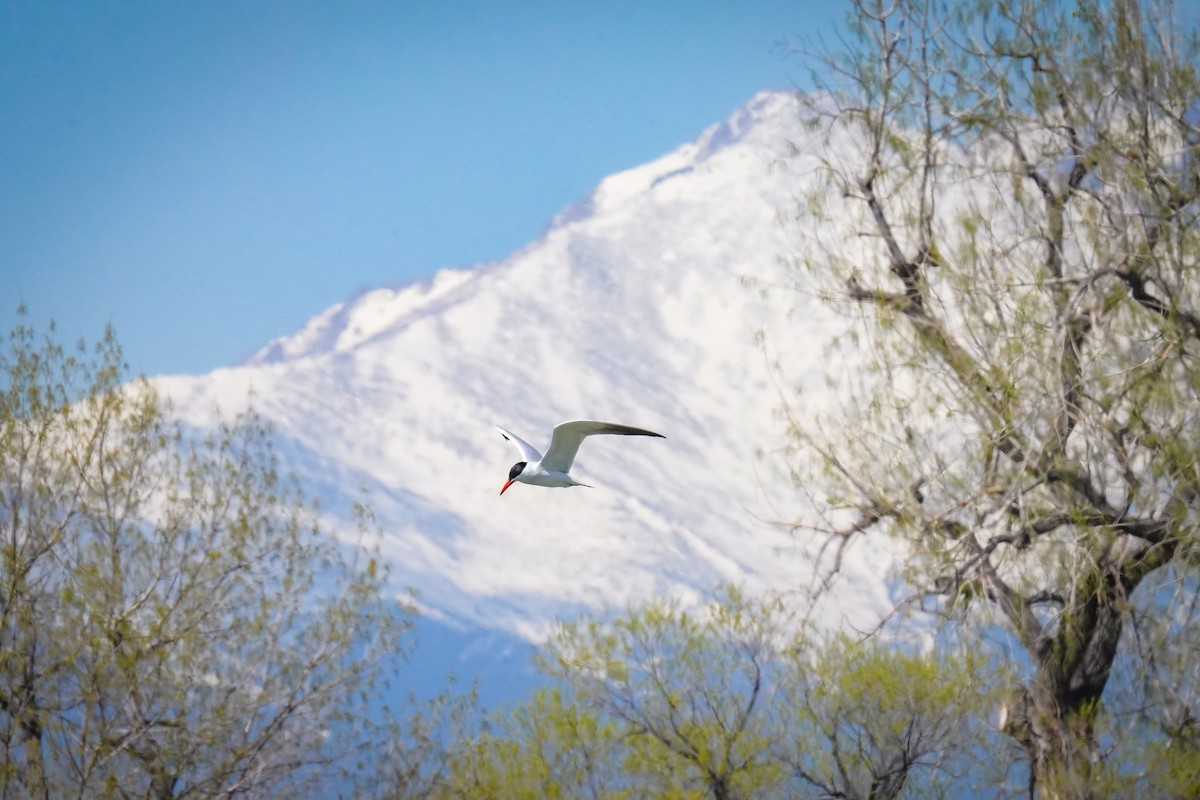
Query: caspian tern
552,468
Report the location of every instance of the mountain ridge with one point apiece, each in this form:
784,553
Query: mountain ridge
631,308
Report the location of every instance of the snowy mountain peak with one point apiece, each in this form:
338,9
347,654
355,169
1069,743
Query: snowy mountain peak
767,112
630,308
371,312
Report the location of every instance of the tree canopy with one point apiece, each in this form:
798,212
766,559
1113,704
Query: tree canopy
1024,262
731,700
174,622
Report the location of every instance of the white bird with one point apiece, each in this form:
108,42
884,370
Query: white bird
552,468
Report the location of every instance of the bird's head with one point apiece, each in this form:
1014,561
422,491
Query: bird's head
516,470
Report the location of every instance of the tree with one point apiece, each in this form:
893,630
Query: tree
1022,180
869,721
549,746
173,620
733,699
689,689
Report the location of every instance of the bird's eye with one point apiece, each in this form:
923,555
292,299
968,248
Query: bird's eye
516,470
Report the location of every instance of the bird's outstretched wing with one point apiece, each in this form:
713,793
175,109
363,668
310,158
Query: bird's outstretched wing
529,453
564,444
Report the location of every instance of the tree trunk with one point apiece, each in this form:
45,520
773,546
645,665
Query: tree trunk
1055,720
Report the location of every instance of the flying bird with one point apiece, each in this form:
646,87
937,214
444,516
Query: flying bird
552,468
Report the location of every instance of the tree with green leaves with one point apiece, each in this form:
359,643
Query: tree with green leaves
691,689
547,747
174,622
732,699
1023,183
864,720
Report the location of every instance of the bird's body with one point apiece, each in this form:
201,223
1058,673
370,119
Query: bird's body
553,468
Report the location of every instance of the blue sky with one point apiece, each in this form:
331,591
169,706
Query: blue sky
208,175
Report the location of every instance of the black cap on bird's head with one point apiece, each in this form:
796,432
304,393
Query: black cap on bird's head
513,473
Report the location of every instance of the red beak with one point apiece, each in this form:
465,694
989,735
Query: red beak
510,483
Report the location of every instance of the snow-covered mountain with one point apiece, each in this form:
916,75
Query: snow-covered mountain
633,307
